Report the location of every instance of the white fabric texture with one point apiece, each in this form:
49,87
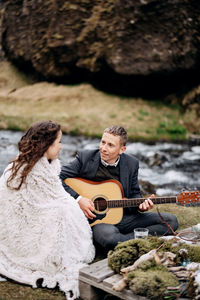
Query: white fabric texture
43,231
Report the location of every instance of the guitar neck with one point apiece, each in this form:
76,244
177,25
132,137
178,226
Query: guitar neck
135,202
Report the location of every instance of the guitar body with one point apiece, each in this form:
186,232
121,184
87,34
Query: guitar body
105,191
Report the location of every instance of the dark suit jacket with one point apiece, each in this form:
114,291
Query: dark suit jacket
86,163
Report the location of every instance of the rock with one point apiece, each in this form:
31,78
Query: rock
2,5
191,107
123,41
147,188
191,101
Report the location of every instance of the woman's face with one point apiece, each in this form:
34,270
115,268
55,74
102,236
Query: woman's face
53,150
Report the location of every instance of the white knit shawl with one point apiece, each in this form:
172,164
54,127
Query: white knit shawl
43,231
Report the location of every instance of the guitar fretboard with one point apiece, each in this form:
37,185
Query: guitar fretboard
137,201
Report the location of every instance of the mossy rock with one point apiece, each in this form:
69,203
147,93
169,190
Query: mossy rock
126,253
151,280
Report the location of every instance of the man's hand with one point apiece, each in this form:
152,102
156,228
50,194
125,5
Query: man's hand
87,207
147,204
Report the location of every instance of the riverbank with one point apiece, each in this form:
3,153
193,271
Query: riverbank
83,110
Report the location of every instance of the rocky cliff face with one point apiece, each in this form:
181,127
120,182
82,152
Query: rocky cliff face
122,41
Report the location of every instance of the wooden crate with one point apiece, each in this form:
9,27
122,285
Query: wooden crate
96,280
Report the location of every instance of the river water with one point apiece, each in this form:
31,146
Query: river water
169,167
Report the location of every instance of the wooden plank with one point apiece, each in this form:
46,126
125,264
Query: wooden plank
89,292
97,271
110,281
126,295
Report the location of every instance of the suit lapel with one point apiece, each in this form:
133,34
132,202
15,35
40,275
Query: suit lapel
124,173
93,166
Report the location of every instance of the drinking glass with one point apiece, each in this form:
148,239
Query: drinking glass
141,233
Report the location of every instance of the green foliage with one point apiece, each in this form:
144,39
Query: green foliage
173,129
149,131
75,132
86,133
143,112
112,116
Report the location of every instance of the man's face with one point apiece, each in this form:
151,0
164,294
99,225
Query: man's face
110,148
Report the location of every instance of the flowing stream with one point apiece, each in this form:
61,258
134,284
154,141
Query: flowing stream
169,167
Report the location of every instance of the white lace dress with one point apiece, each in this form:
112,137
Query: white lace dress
43,232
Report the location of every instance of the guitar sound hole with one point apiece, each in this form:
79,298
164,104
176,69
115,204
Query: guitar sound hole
100,204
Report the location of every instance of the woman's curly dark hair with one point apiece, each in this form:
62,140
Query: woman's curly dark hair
32,146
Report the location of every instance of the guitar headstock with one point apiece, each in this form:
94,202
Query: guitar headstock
189,198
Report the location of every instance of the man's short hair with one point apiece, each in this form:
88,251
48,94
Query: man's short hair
118,131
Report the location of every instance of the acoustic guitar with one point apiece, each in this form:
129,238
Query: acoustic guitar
109,202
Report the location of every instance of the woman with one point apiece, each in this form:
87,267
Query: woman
44,235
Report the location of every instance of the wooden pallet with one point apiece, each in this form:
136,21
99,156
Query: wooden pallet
96,280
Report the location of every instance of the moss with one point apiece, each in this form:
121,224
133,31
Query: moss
193,252
122,258
58,36
126,253
97,22
72,6
151,280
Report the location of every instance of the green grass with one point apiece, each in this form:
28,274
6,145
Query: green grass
173,129
14,291
187,216
143,112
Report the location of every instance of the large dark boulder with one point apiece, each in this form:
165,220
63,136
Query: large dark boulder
124,39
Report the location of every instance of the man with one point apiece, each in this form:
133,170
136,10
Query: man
110,162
